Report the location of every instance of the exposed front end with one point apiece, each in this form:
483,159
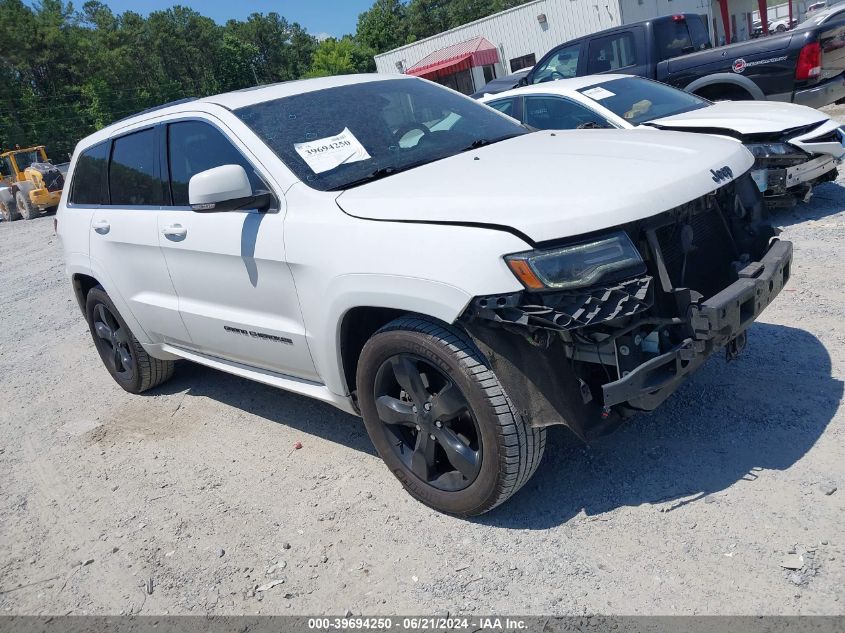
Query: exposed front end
641,318
788,165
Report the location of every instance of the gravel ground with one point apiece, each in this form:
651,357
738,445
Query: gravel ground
196,488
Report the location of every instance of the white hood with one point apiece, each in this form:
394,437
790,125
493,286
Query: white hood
550,185
746,117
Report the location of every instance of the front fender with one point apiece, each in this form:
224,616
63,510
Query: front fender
407,294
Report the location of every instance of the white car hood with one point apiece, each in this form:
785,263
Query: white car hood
550,185
746,117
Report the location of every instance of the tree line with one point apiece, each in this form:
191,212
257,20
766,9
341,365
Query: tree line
66,71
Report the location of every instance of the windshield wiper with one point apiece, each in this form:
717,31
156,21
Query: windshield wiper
381,172
482,142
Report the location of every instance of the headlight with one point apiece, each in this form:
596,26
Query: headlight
578,265
769,150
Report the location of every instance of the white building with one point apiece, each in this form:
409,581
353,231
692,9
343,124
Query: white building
467,57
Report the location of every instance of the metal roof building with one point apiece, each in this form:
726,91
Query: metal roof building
469,56
519,37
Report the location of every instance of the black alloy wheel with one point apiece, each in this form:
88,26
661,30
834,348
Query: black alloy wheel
428,422
124,357
440,419
113,342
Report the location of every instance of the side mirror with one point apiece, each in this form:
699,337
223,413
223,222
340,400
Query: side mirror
225,188
522,82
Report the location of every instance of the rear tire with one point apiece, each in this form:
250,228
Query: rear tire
507,450
124,358
9,211
27,210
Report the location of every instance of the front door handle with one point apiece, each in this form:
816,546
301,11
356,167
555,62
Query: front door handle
101,226
175,232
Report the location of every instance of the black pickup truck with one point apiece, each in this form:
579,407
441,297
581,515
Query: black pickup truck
802,66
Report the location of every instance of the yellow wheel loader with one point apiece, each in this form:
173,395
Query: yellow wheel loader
29,183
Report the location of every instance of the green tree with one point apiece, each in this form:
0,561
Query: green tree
333,57
67,70
427,17
284,49
383,26
238,62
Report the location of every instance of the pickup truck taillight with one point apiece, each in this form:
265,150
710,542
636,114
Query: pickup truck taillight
809,62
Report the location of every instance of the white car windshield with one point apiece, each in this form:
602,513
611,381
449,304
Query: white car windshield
345,136
640,100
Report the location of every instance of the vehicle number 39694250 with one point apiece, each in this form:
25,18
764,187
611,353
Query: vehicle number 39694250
328,147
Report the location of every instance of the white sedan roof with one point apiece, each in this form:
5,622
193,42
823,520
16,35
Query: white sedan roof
559,86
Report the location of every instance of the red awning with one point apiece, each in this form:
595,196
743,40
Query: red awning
449,60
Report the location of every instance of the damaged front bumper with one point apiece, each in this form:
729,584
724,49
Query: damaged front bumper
718,321
589,357
795,180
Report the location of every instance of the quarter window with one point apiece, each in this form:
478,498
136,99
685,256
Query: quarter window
193,147
89,176
673,39
133,180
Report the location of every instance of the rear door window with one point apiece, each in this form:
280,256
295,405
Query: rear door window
562,64
195,146
89,176
611,53
557,113
133,171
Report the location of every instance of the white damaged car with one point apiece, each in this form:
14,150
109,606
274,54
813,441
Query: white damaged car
395,249
795,147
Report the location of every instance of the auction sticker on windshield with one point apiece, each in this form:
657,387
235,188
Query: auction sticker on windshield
598,93
328,153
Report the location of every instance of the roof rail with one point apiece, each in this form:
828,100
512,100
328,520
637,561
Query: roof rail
154,108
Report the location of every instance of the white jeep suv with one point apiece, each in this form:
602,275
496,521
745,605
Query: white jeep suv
406,254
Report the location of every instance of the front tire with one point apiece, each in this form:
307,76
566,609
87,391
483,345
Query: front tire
441,421
127,362
27,210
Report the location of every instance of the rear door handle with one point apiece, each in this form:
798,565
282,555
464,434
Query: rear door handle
101,226
175,232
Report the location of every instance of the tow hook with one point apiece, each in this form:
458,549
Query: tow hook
735,346
808,195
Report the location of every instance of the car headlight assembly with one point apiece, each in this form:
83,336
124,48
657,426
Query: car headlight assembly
610,257
772,150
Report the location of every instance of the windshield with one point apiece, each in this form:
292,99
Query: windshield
25,159
340,137
640,100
